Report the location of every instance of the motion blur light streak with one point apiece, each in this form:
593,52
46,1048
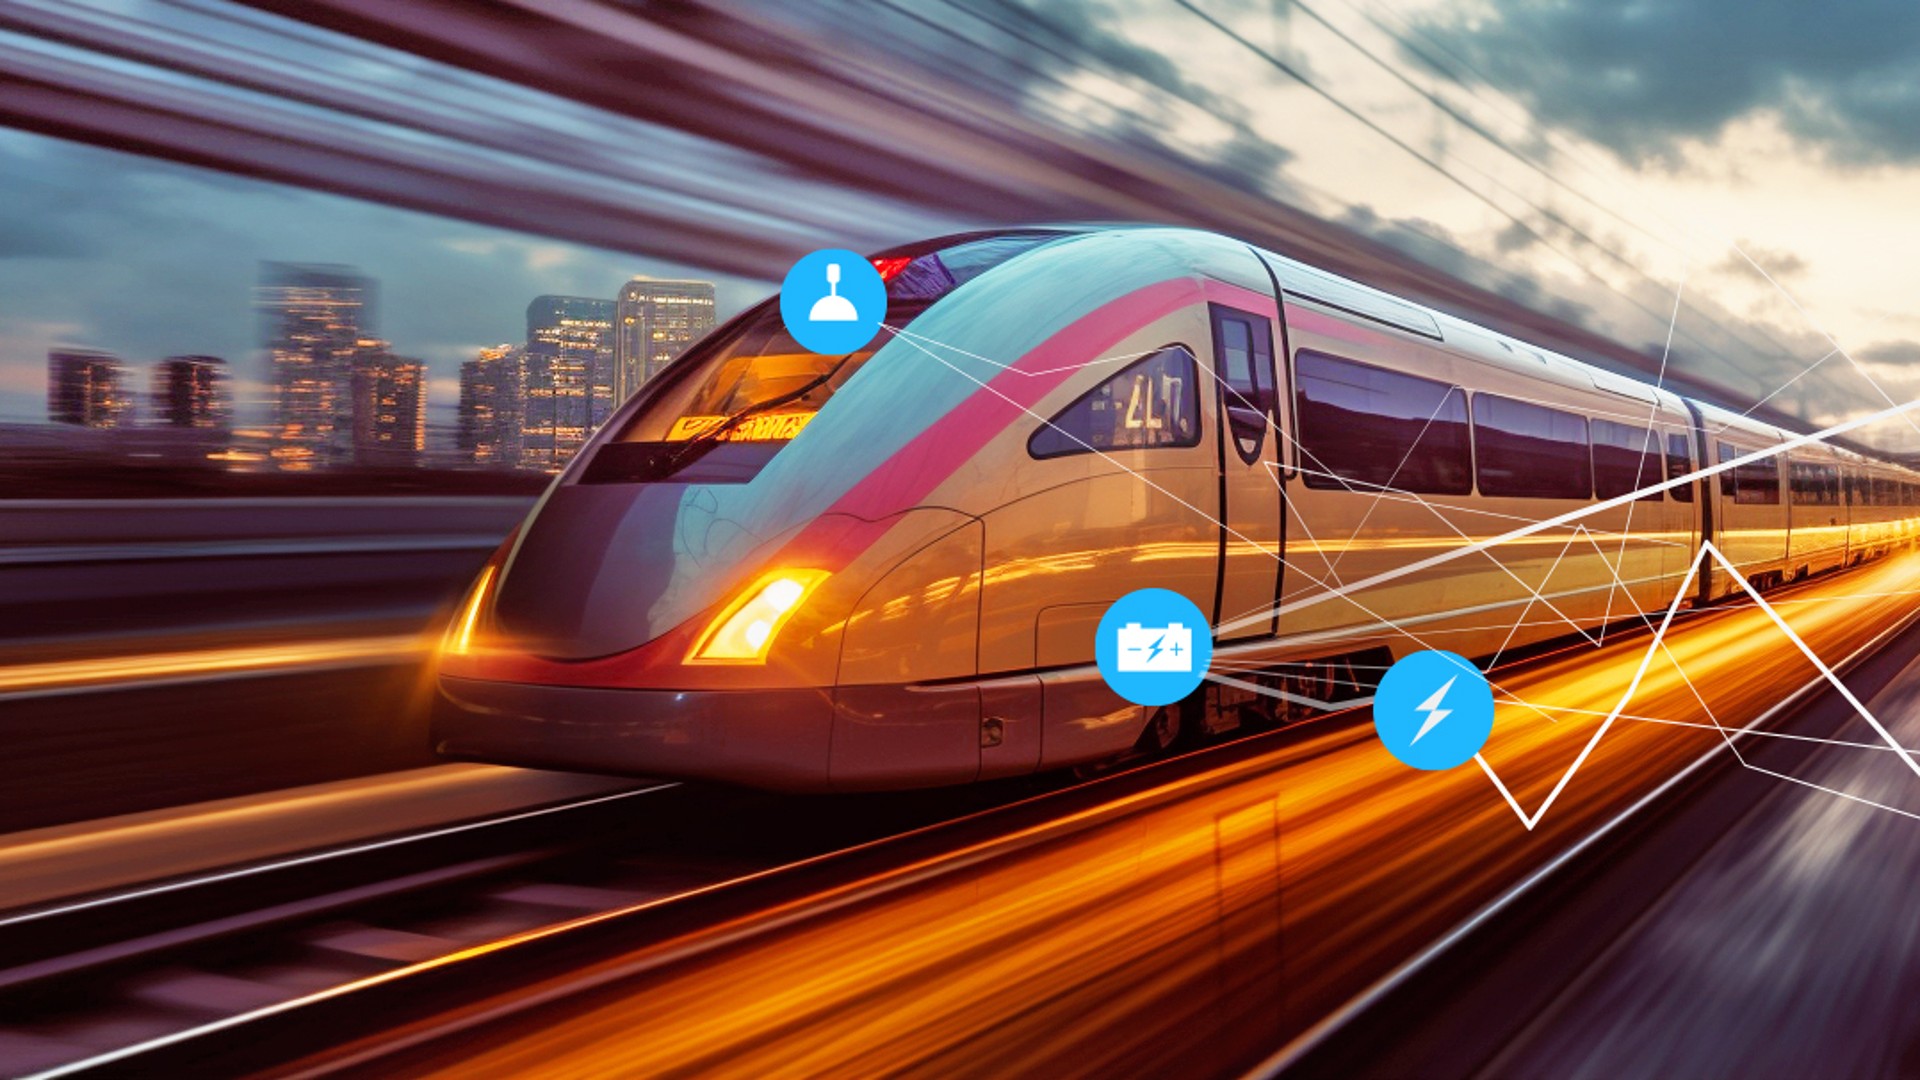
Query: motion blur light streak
1337,326
164,667
1178,935
476,600
88,858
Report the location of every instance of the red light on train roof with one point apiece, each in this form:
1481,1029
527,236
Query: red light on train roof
890,267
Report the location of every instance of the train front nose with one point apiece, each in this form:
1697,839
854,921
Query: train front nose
598,646
591,575
647,630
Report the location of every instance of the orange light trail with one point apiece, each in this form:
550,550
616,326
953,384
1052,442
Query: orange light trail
200,663
1190,933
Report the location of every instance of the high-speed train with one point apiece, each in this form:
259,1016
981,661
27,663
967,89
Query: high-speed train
885,569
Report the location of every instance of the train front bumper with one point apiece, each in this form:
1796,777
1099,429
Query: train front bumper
765,738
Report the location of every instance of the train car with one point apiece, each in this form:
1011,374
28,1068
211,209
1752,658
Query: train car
1508,434
885,569
1751,514
1877,513
1817,518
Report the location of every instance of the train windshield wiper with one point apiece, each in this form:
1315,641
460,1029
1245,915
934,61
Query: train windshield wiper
706,439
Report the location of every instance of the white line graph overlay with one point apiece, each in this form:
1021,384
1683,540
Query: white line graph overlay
1707,549
1319,589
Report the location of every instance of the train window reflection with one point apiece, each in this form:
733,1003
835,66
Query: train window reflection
1243,357
1149,403
1530,451
738,400
1625,459
1367,427
1814,484
730,404
1679,464
937,273
1757,482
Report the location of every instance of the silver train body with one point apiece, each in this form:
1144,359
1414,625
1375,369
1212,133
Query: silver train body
885,570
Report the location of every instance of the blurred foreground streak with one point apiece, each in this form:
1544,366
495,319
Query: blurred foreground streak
724,135
156,651
1185,929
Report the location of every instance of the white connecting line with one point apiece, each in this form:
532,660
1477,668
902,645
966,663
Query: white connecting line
1706,549
1330,587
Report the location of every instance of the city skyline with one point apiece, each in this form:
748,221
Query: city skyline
342,396
147,259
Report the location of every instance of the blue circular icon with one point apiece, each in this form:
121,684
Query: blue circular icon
1434,710
1154,647
833,301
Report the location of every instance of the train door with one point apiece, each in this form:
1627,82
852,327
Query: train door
1249,445
1692,519
1850,510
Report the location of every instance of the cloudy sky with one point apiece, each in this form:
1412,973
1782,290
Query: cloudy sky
1757,161
1751,166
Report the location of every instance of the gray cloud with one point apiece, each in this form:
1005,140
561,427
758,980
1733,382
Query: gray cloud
1892,352
1641,77
1780,264
1088,32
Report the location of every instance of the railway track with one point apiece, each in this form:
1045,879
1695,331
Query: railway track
361,956
1436,1015
88,980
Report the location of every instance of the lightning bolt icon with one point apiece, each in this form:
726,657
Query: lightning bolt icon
1434,712
1154,649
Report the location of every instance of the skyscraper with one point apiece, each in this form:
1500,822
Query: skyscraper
656,321
568,387
187,392
83,387
314,316
389,406
491,409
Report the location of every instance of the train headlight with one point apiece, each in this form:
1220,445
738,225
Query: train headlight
744,632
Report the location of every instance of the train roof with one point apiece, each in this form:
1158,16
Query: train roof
1301,282
1718,421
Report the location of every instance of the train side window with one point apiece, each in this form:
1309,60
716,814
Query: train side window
1367,428
1150,403
1813,484
1625,459
1757,482
1529,451
1679,464
1243,358
1727,453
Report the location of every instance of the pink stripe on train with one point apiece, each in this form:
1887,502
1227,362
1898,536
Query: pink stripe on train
904,480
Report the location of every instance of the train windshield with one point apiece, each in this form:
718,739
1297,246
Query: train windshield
746,391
